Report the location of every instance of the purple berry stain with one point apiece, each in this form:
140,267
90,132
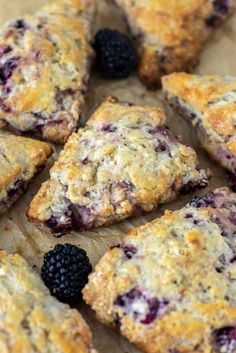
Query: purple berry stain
221,6
129,250
126,185
5,50
7,69
218,199
128,104
4,107
20,25
221,9
62,95
79,219
109,128
162,147
144,309
164,140
232,260
193,185
85,161
81,216
224,339
226,221
199,202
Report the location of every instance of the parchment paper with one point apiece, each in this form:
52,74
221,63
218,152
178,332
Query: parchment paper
18,235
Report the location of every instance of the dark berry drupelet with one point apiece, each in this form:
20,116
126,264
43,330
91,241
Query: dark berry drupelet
65,272
116,55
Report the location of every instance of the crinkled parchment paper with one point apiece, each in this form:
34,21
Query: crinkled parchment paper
17,234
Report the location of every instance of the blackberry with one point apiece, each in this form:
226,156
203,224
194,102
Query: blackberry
116,55
65,272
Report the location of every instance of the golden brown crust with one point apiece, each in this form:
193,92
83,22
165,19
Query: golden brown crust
170,286
170,34
31,319
122,161
209,103
45,62
20,159
112,111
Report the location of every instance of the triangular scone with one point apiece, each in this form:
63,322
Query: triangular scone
170,285
123,161
171,33
32,321
44,69
209,103
20,159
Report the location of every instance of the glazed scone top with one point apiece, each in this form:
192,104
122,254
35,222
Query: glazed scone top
19,160
212,99
171,33
32,321
126,113
170,286
44,60
164,19
122,158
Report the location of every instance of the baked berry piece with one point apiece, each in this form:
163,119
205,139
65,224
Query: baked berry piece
170,34
209,104
224,339
123,161
116,55
20,159
175,291
32,321
44,69
65,272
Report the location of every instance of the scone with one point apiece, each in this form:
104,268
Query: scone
20,159
170,33
123,161
170,287
44,69
32,321
209,103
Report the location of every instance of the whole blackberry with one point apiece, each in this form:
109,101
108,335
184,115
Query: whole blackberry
116,55
65,272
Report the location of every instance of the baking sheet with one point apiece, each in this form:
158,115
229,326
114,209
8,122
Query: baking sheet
18,235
